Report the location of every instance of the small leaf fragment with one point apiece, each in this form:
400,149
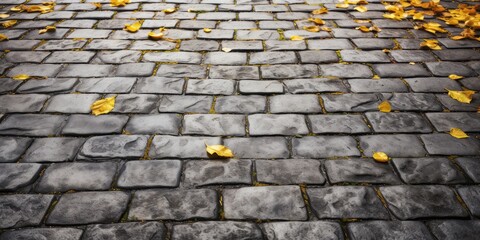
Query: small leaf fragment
431,43
103,106
361,8
207,30
47,29
97,5
219,151
119,3
317,21
4,15
312,28
461,96
322,10
418,16
169,10
21,77
385,107
458,133
376,77
226,49
3,37
156,36
134,27
342,5
455,77
296,38
9,23
380,157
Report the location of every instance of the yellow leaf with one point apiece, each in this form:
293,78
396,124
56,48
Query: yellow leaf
103,106
17,8
296,38
320,11
312,28
134,27
361,21
380,157
461,96
47,29
432,27
21,77
97,5
466,33
119,3
385,106
430,43
37,8
218,151
326,29
317,21
451,21
9,23
207,30
418,16
169,10
3,37
376,77
455,77
4,15
458,133
156,36
342,5
226,49
363,28
361,8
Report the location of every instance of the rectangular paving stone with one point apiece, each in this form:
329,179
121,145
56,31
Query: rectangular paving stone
11,148
211,87
456,106
303,230
174,204
26,56
240,104
364,56
22,210
178,57
398,122
154,124
185,104
351,102
260,87
159,85
106,85
289,71
257,35
314,85
107,44
444,69
279,45
223,58
217,229
38,70
86,70
32,124
443,122
70,57
71,103
330,44
243,45
114,146
181,70
97,125
376,85
47,233
433,84
444,144
234,72
14,175
142,174
333,123
181,146
214,125
397,145
324,147
345,71
291,171
470,195
360,171
141,231
389,229
273,124
135,103
273,203
413,101
306,103
428,171
214,172
413,202
258,147
22,103
470,167
451,229
58,149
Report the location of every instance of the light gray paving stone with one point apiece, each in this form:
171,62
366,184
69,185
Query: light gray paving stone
71,103
159,85
53,149
455,229
86,70
57,34
272,57
11,148
181,70
19,45
324,147
178,57
398,122
289,71
211,86
35,70
471,167
331,123
89,207
432,84
235,72
257,35
273,124
70,57
240,104
346,70
360,171
199,45
32,124
124,231
314,85
384,230
26,56
181,146
8,84
315,56
106,85
216,34
153,124
260,87
364,56
193,24
107,44
217,230
65,44
114,146
397,145
279,45
14,175
259,147
400,70
116,57
22,210
273,203
62,177
216,172
413,101
412,56
305,34
135,70
444,69
444,144
105,124
330,44
428,170
243,45
306,103
412,202
184,104
303,230
373,85
224,58
50,85
43,233
443,122
346,202
154,173
135,103
471,196
174,204
214,125
291,171
22,103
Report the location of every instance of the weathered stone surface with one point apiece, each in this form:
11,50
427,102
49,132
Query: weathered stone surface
201,173
106,85
217,230
324,146
71,103
14,176
174,205
141,174
104,124
351,102
397,145
377,85
444,144
124,231
383,230
22,210
397,122
338,123
281,124
443,122
292,171
89,207
471,167
428,170
12,148
259,147
214,125
412,202
471,197
315,85
135,103
154,124
53,149
182,104
306,103
181,147
211,86
50,85
360,171
303,230
346,202
121,146
455,229
275,203
44,233
32,124
240,104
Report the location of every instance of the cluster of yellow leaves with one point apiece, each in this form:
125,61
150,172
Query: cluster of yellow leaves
45,8
9,23
347,3
458,133
361,8
119,3
396,12
315,28
466,33
385,106
369,29
431,27
430,43
103,106
464,96
47,29
218,151
134,27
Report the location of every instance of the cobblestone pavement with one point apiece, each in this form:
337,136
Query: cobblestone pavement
300,116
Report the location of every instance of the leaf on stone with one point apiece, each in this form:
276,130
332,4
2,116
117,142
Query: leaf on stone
21,77
369,29
9,23
385,106
218,151
4,15
430,43
207,30
458,133
156,36
169,10
226,49
342,5
312,28
361,8
376,77
97,5
134,27
119,3
455,77
17,9
322,10
326,29
380,157
464,96
3,37
432,27
317,21
418,16
103,106
47,29
466,33
296,38
37,8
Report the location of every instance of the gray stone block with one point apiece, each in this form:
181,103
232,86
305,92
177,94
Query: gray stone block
53,149
217,230
22,210
324,147
360,171
154,173
12,148
428,170
114,146
291,171
14,175
217,172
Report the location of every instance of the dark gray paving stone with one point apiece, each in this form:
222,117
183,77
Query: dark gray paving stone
291,171
32,124
43,233
12,148
89,33
35,70
8,84
159,85
234,72
397,145
86,70
446,68
85,23
305,34
240,104
193,24
315,56
106,85
412,56
259,147
346,70
398,122
282,124
71,103
471,166
373,44
62,177
471,197
211,87
155,173
214,125
455,229
216,172
454,105
303,230
53,149
338,124
350,33
383,230
260,87
314,85
279,45
183,104
135,103
181,70
122,56
351,102
22,103
465,43
433,84
57,34
428,201
135,70
272,58
306,103
289,71
360,171
50,85
471,83
374,85
364,56
89,207
400,70
199,45
257,34
124,231
324,147
175,204
443,122
413,101
428,170
181,146
22,210
217,230
70,57
444,144
14,176
346,202
154,124
104,124
114,146
273,203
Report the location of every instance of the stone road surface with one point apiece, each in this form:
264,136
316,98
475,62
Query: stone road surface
300,116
